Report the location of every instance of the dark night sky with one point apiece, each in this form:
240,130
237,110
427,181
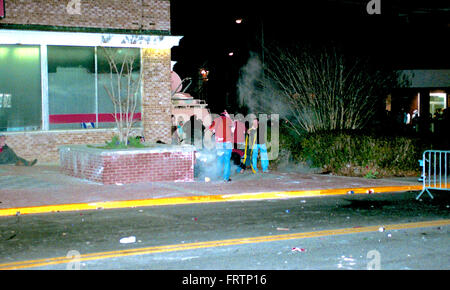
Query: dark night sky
406,35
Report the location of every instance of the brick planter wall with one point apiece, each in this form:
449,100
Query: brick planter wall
157,163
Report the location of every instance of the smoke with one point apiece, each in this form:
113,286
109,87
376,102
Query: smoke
205,164
258,93
261,95
207,167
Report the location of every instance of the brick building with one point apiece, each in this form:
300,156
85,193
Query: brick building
52,71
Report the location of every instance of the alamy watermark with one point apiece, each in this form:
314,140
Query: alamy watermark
269,125
74,7
75,260
374,7
374,260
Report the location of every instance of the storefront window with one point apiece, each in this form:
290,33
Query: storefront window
71,86
108,82
77,77
20,88
77,94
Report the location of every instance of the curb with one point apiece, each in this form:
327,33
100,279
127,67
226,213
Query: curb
202,199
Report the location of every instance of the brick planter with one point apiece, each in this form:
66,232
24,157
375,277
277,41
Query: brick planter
157,163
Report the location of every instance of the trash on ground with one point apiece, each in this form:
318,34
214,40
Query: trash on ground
350,192
381,229
128,240
282,229
11,237
295,249
370,191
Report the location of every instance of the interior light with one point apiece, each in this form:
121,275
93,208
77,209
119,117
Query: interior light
3,51
26,52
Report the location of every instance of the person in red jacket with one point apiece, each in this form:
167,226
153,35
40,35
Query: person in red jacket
223,129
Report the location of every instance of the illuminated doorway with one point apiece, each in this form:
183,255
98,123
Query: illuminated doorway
438,102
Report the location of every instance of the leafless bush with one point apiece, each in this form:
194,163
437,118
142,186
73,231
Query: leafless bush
316,90
123,89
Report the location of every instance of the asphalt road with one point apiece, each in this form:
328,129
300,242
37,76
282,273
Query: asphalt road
297,233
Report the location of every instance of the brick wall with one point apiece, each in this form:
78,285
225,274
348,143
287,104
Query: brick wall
156,100
128,167
116,14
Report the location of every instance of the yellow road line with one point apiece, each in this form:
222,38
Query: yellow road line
219,243
199,199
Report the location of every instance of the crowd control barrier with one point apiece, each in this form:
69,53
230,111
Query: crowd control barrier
435,171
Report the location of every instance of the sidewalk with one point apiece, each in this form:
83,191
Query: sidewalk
43,188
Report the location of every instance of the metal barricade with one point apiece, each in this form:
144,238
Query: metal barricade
435,171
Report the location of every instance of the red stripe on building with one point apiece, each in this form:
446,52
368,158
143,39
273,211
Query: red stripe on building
87,118
2,8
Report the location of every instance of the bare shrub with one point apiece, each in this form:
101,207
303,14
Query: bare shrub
123,89
316,90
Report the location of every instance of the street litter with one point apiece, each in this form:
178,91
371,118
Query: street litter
370,191
11,237
381,229
118,183
282,229
128,240
350,192
287,211
295,249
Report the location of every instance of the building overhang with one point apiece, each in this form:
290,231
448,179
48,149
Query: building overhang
438,78
30,37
